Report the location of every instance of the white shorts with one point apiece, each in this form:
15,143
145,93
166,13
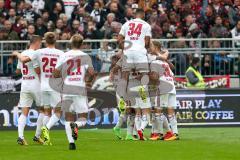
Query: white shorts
133,96
27,98
141,104
135,60
166,100
50,98
79,103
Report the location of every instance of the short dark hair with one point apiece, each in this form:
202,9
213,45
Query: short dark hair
76,41
195,60
35,38
50,38
140,11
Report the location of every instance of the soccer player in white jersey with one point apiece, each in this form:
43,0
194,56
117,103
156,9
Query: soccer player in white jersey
165,99
126,110
134,39
47,59
30,91
73,67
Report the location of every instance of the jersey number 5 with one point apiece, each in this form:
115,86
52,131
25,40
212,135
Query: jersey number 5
25,69
135,29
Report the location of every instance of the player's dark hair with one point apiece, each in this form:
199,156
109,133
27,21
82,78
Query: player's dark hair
76,41
35,38
50,38
195,60
140,11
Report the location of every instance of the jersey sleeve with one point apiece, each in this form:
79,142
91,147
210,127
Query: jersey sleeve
35,64
60,62
148,31
34,56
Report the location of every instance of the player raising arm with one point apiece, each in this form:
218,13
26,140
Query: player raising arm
73,67
30,91
47,59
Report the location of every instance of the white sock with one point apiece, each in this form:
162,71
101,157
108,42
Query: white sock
134,129
165,123
138,122
158,125
130,124
145,120
45,120
154,124
160,118
120,120
173,123
69,132
53,120
81,122
22,120
39,124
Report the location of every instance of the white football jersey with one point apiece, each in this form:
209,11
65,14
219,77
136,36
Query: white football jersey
135,32
165,72
30,79
74,64
47,59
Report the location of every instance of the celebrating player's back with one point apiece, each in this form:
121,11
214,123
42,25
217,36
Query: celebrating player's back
73,67
30,90
47,59
137,33
134,38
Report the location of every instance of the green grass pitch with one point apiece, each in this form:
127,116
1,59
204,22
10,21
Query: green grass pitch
195,144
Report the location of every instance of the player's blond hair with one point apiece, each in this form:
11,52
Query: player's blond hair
157,44
50,38
35,38
76,41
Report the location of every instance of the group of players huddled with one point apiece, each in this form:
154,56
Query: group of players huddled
56,81
144,83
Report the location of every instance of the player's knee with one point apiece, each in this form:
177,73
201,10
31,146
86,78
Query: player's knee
171,111
57,110
47,111
171,117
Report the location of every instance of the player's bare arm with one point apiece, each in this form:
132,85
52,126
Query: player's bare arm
23,59
147,42
163,55
90,76
171,65
121,41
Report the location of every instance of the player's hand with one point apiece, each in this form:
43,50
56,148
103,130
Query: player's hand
14,53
